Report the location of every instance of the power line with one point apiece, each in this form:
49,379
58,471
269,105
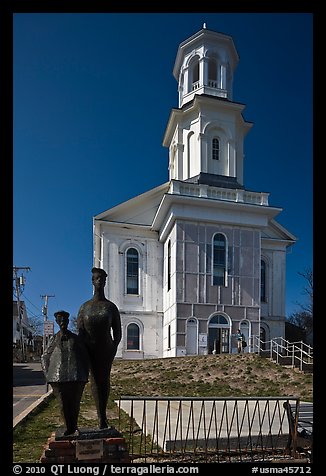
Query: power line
25,297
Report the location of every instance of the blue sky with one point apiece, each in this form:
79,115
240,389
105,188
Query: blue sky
92,96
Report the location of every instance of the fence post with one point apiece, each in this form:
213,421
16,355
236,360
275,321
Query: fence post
301,357
293,365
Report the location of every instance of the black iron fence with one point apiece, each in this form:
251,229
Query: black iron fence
209,429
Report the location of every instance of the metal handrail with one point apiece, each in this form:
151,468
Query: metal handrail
280,347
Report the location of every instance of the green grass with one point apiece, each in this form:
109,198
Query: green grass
30,436
199,376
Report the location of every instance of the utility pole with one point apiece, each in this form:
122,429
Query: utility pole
45,314
19,283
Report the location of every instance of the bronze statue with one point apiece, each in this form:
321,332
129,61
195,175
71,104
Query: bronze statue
65,364
99,325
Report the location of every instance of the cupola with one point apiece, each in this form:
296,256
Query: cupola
205,64
205,134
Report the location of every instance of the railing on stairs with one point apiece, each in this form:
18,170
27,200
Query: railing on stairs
298,354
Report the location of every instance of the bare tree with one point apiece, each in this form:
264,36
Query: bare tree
73,324
36,324
308,290
303,318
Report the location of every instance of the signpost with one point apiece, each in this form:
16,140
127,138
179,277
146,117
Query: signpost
48,328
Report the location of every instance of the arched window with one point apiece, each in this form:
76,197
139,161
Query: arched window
263,281
133,337
190,154
215,149
132,271
245,330
218,319
194,74
219,259
192,337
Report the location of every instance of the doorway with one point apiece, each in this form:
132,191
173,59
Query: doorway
191,337
218,335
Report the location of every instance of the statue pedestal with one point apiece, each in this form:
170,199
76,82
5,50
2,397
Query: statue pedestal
90,446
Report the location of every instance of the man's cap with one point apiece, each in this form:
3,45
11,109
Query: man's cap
61,313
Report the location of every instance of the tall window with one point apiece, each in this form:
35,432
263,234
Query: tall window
132,271
132,337
169,265
169,336
219,259
195,74
212,71
263,281
215,149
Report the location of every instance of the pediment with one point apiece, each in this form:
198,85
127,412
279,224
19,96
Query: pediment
139,210
275,231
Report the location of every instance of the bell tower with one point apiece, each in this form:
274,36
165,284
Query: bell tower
205,134
205,64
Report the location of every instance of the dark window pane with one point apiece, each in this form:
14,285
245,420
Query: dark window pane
132,271
219,259
133,337
263,281
212,69
195,72
169,265
215,149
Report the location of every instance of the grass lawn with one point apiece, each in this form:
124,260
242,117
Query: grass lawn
198,376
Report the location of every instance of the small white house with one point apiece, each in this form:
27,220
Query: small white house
21,329
194,259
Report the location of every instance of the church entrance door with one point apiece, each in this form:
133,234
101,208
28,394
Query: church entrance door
219,335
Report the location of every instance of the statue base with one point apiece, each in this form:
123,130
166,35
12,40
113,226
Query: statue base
91,445
88,434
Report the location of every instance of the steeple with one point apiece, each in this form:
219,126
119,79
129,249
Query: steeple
205,64
205,134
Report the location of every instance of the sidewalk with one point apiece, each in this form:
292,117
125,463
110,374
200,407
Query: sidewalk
21,416
29,389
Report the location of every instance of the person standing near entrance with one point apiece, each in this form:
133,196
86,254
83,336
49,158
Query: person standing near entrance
240,341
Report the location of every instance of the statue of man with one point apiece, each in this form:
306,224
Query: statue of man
99,325
66,367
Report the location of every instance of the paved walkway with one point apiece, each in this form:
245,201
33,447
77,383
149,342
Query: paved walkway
29,389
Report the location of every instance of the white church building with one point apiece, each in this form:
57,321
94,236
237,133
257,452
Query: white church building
198,257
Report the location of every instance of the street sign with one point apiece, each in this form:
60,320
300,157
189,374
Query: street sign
48,328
